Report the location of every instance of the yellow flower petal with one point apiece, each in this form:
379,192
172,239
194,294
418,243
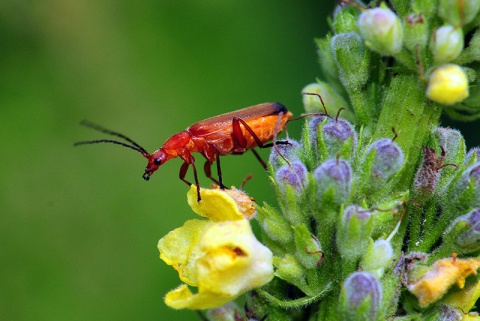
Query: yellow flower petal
181,248
225,261
448,85
221,205
472,316
183,298
235,261
441,276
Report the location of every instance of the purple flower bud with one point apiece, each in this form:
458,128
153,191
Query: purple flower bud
335,134
294,175
334,175
388,160
358,288
291,151
313,128
465,231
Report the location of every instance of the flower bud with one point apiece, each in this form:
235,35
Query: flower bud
290,270
293,175
327,61
382,31
291,151
361,297
353,236
345,20
387,161
415,32
334,182
308,249
352,60
331,98
335,134
467,190
473,156
465,232
446,44
448,85
275,226
457,12
377,258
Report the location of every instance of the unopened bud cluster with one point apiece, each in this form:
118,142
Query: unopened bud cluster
376,200
378,214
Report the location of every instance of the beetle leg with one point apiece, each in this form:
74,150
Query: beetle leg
259,158
238,137
183,172
219,172
208,171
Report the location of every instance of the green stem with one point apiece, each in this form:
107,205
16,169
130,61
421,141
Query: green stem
406,112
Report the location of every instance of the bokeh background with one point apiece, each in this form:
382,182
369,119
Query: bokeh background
79,226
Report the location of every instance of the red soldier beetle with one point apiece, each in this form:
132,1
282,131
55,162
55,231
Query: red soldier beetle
230,133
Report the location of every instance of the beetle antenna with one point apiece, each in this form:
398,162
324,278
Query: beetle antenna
113,142
101,129
321,100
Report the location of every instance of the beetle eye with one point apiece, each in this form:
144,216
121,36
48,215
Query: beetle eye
157,161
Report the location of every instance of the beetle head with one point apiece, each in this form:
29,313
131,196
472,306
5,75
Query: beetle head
155,160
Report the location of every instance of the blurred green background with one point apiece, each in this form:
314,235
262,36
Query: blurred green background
79,226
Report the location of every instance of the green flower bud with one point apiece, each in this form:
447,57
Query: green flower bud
415,32
468,187
327,61
452,141
457,12
448,85
377,258
446,44
308,249
465,232
290,270
361,297
382,31
346,20
352,60
353,235
473,156
331,98
276,227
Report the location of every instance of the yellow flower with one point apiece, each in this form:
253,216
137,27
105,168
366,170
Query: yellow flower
441,276
222,257
221,205
448,85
